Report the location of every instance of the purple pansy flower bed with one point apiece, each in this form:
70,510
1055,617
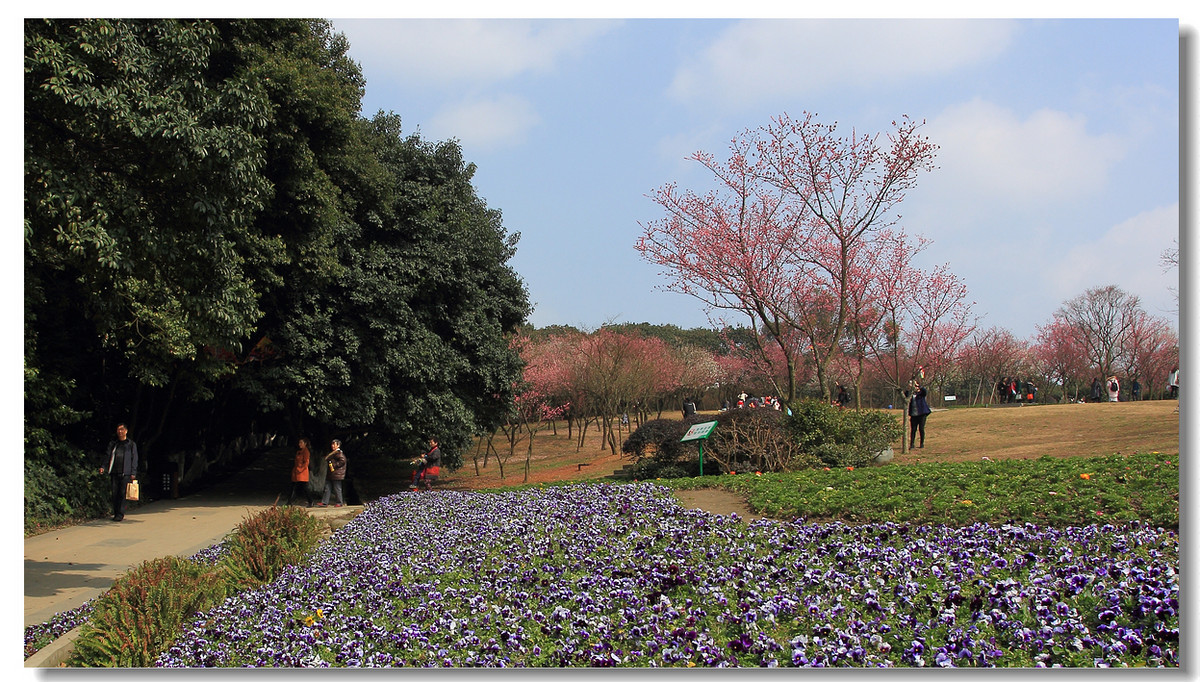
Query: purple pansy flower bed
607,575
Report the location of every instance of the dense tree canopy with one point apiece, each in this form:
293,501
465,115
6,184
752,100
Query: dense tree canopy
216,242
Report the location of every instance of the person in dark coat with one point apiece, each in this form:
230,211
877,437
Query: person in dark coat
122,468
689,408
918,410
336,462
429,466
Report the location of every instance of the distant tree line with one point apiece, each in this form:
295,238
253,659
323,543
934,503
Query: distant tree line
217,244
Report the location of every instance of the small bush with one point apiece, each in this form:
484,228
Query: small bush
755,439
658,440
266,543
838,437
136,620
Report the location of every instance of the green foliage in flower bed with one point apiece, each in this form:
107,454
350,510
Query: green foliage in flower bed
1056,491
265,544
143,611
137,618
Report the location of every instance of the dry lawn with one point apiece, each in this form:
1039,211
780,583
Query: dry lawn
956,435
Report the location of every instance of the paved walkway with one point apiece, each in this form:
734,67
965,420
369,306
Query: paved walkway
67,567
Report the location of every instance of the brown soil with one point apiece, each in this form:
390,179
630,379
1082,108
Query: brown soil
957,435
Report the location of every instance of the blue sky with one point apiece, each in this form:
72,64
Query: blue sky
1059,140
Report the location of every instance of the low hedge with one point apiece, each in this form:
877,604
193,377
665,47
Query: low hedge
145,609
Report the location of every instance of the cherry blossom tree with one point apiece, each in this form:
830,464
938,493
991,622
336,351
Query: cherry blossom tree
991,354
1101,319
923,317
1059,357
779,239
1150,351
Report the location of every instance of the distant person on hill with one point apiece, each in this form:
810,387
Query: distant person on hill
1114,389
689,408
1173,382
1136,390
336,462
918,410
122,469
843,396
300,473
1096,390
429,466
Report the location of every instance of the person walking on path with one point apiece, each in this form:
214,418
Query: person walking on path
429,467
122,469
300,473
336,461
918,410
1114,389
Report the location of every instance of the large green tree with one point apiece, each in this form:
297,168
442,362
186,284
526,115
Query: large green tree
217,242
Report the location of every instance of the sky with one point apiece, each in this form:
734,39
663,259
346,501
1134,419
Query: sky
1058,167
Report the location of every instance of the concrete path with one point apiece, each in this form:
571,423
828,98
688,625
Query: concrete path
67,567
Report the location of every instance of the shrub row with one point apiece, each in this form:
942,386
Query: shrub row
815,435
144,611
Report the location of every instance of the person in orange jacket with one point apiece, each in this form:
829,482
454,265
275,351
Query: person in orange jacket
300,473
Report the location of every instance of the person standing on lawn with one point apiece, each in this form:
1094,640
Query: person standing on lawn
336,461
122,467
918,410
1114,389
300,473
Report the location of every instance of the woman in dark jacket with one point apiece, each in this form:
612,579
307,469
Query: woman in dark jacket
918,410
337,473
428,467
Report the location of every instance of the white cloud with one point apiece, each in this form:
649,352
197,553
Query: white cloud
757,59
450,52
988,154
485,124
1127,255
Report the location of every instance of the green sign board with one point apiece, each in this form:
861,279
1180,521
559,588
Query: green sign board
699,432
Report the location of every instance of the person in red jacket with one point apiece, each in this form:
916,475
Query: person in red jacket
428,467
300,473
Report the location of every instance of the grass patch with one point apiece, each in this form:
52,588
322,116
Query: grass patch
1052,491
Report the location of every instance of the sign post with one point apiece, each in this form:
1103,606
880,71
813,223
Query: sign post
699,432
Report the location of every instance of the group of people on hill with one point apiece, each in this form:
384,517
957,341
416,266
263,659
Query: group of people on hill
1109,390
1013,390
745,400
